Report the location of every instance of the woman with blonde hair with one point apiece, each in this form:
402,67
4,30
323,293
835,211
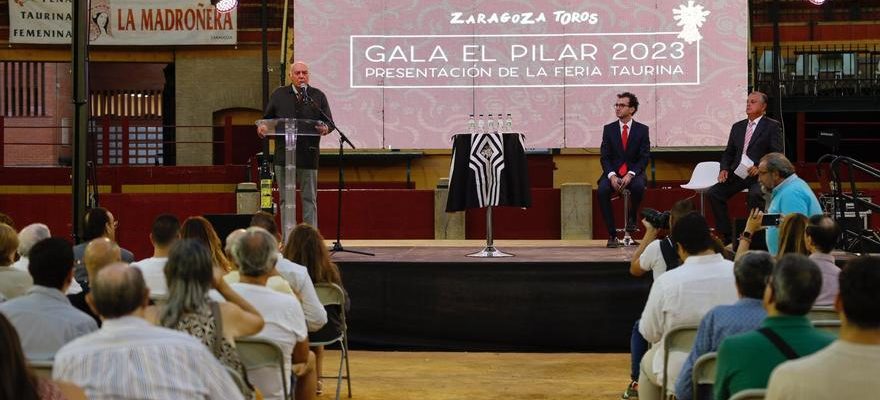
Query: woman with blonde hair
200,229
791,235
306,247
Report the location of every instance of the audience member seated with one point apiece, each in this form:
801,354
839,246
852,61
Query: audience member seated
128,358
165,231
17,381
306,247
190,275
200,229
681,297
296,275
99,253
655,255
255,252
751,272
27,238
822,234
5,219
275,282
791,234
13,283
847,368
788,193
44,318
99,222
746,360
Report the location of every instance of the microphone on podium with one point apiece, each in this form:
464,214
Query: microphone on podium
303,92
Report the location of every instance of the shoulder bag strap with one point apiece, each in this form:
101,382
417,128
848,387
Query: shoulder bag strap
780,344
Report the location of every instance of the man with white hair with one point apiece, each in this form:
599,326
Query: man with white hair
27,238
255,253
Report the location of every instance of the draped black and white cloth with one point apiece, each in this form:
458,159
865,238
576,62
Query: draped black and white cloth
488,169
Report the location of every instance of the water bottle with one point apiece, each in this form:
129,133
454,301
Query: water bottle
500,123
492,127
481,125
508,125
472,125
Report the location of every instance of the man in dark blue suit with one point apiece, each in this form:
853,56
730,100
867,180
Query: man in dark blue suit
764,136
624,155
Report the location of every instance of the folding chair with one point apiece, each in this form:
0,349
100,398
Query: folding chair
257,353
678,339
705,175
750,394
42,368
829,325
823,313
704,372
333,298
236,377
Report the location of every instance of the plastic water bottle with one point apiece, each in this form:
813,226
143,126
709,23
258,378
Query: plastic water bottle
499,123
481,125
508,125
492,127
471,125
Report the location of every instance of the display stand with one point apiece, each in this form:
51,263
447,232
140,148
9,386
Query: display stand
488,170
290,128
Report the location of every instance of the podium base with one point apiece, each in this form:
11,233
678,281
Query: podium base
489,252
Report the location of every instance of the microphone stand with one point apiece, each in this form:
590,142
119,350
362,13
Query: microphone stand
337,245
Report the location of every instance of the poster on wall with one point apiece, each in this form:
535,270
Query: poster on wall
123,22
408,73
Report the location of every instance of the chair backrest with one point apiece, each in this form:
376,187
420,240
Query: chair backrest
332,297
829,325
823,313
705,175
258,353
704,371
236,377
43,369
749,394
330,294
679,339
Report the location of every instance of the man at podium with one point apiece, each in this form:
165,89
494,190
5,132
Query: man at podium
301,101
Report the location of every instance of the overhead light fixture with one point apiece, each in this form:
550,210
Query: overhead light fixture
817,2
225,6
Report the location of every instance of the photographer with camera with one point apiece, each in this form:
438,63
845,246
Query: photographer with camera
657,255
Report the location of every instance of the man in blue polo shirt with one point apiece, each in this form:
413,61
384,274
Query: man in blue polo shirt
788,193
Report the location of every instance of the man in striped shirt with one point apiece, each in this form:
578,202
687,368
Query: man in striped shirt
130,359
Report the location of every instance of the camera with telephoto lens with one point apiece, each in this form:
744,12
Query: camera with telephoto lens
657,219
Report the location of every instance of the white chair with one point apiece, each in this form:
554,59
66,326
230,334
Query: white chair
749,394
704,176
42,368
680,339
823,313
704,372
258,352
332,296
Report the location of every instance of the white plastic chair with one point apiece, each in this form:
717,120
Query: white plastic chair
705,175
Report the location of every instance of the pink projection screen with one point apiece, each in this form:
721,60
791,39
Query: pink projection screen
408,73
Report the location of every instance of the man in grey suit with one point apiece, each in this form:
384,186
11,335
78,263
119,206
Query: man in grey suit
753,138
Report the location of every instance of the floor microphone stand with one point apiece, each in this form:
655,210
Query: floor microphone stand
337,245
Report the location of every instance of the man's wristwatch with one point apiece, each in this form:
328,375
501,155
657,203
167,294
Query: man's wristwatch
746,235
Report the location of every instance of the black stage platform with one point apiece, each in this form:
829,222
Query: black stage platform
551,296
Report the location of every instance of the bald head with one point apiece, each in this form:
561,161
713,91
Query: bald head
299,74
99,253
119,290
